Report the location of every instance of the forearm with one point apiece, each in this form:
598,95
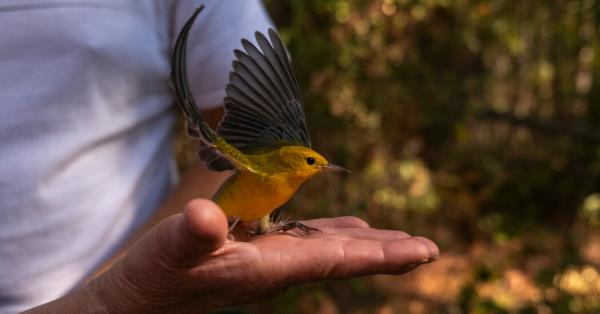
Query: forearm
82,300
114,291
105,291
197,182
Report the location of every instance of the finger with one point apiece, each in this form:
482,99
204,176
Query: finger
206,223
434,251
346,259
201,229
337,222
410,250
378,234
363,257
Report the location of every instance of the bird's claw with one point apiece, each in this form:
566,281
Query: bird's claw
233,221
295,224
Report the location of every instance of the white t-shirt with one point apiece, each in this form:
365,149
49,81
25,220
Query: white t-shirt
86,116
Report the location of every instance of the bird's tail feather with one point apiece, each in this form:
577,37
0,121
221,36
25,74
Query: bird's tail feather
196,125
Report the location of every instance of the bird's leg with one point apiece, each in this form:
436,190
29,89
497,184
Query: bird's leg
294,224
233,221
264,225
259,226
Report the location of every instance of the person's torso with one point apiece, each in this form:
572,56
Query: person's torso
84,136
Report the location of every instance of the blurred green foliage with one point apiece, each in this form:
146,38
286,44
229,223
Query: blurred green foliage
475,123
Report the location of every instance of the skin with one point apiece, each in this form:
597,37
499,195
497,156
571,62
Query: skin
184,263
195,182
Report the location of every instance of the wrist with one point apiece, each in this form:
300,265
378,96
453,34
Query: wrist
82,300
125,289
114,293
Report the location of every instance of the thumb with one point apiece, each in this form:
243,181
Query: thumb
140,279
200,230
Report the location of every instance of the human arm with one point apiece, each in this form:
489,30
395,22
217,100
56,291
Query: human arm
196,182
187,264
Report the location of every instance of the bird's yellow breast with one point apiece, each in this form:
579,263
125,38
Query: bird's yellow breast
250,196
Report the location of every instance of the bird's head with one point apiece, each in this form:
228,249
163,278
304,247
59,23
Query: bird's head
305,162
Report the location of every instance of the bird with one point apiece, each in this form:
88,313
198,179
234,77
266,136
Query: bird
262,137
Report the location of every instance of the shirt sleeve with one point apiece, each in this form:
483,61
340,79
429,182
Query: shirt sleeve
217,31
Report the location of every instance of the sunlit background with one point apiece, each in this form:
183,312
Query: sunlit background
474,123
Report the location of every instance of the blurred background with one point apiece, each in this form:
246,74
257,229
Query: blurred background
473,123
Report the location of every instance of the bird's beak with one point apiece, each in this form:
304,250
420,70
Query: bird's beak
330,167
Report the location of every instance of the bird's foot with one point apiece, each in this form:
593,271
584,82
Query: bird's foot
233,221
232,224
294,224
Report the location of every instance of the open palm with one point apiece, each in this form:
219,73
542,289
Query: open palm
187,264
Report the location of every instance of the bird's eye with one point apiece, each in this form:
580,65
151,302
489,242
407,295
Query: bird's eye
310,161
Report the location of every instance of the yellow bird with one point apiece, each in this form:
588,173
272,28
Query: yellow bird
263,135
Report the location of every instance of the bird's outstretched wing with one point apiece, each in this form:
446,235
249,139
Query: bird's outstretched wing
263,104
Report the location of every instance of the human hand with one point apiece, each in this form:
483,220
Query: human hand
187,264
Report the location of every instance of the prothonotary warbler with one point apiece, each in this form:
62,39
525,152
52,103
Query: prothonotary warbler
263,135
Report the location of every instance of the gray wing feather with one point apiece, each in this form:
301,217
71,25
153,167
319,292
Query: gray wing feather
195,124
263,104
